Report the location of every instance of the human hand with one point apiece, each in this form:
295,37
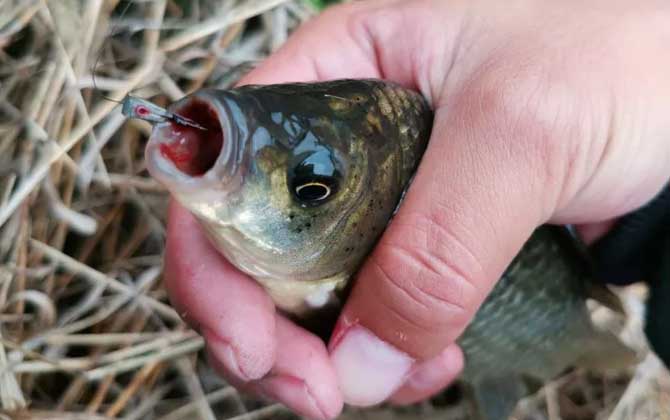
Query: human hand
544,112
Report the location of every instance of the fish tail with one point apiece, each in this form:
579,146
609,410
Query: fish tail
605,351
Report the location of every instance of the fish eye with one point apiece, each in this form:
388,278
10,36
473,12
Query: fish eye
313,191
314,178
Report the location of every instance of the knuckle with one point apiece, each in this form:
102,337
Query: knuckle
355,16
433,274
361,26
532,114
372,26
520,104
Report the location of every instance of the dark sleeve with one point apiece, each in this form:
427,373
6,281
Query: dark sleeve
638,249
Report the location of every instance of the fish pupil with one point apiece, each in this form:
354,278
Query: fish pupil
312,191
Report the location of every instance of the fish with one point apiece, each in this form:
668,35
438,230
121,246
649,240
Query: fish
294,184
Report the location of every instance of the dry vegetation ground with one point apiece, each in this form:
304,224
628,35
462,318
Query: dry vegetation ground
85,328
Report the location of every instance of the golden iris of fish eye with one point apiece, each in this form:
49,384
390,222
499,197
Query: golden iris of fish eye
326,194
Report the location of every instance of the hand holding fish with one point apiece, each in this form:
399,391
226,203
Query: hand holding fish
543,112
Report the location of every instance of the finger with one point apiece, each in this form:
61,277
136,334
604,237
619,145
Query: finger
321,49
430,377
361,40
303,377
233,313
443,252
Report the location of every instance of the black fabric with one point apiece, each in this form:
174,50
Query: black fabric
630,252
638,249
657,325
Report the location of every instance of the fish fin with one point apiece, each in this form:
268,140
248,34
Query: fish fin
606,297
533,385
605,351
496,398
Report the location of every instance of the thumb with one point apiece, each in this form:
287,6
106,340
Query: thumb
512,147
481,190
524,136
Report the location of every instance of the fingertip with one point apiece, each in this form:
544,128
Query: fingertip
243,365
302,378
231,376
296,394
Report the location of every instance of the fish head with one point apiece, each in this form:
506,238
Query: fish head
293,189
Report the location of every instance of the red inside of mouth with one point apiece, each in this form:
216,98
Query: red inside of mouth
193,150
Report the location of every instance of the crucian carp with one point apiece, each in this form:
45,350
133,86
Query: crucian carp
294,184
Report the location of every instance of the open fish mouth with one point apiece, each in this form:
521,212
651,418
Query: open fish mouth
195,154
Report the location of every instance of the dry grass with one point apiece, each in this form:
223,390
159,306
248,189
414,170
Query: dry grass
86,331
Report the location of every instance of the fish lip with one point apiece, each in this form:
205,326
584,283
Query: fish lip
165,171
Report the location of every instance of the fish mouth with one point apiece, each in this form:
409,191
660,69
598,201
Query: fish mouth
189,156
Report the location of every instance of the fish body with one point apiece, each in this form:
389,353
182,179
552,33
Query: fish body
539,303
295,183
535,324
